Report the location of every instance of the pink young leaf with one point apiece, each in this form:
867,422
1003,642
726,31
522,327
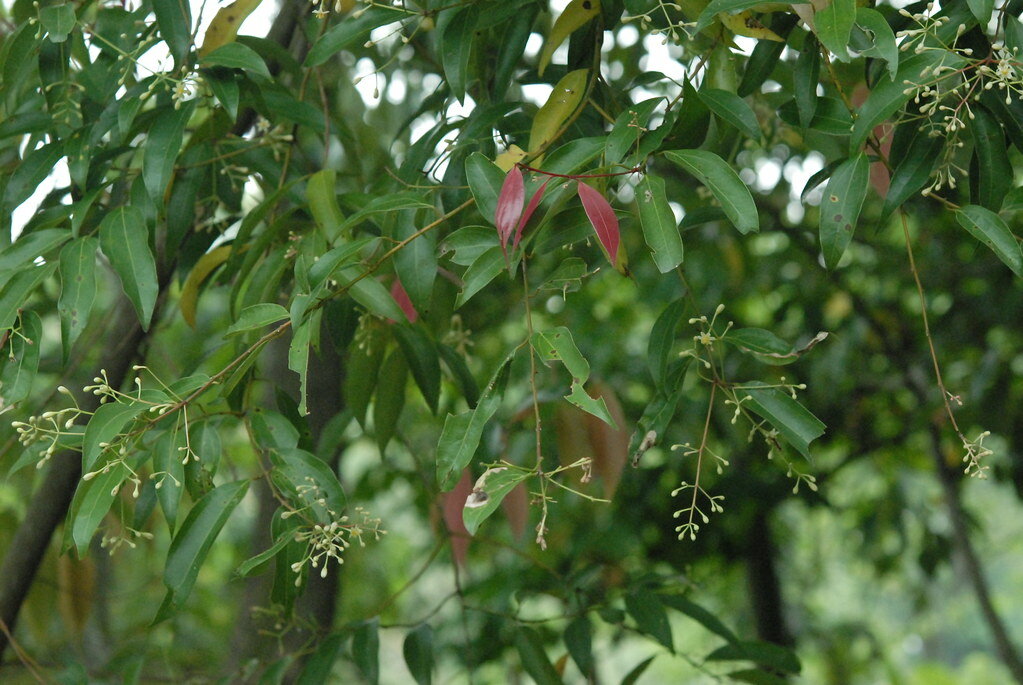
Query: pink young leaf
401,297
509,205
534,202
603,219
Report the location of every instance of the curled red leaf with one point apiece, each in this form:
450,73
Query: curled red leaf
534,202
509,205
402,298
603,219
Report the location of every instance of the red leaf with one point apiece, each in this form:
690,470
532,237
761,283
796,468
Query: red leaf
452,504
603,218
401,297
534,202
509,205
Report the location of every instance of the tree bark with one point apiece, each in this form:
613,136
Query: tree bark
50,503
971,562
764,586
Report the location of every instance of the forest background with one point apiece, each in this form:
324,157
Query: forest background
602,341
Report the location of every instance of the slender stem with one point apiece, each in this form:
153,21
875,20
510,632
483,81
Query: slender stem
927,327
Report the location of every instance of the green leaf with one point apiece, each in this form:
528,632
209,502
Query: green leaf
319,664
647,611
255,317
418,652
58,20
579,642
718,6
22,363
735,198
370,293
272,430
805,79
327,264
124,237
833,25
994,170
167,460
791,419
174,19
660,229
460,373
480,273
91,503
226,89
733,109
1013,200
29,246
487,494
485,180
235,55
557,344
988,228
700,615
877,28
17,290
889,95
534,659
162,147
321,194
303,337
765,56
77,289
326,499
193,540
840,207
350,32
462,432
416,263
756,677
913,171
662,340
390,398
258,563
30,173
628,129
1013,29
633,676
361,373
423,360
455,44
105,425
366,649
766,346
386,204
763,653
982,10
591,405
690,127
469,243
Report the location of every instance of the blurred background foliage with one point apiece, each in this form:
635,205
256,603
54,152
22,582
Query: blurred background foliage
873,577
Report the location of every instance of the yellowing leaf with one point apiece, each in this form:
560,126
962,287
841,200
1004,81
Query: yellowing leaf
575,15
509,158
745,24
224,27
563,102
203,268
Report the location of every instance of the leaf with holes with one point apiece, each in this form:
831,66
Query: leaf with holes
840,208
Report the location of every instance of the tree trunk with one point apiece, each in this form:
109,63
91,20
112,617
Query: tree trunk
971,562
50,503
764,587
